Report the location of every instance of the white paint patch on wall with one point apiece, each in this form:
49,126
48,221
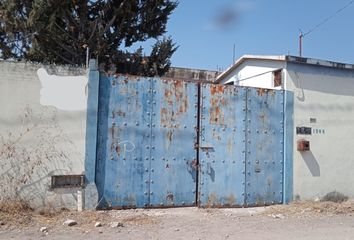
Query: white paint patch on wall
63,92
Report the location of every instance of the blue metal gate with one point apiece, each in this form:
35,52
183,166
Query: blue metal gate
164,143
241,150
146,138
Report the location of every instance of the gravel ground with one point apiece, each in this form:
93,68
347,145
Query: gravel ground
308,220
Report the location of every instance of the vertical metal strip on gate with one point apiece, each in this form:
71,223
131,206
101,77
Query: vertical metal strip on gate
288,111
222,146
102,129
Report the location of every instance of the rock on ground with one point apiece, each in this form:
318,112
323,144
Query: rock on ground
70,222
116,224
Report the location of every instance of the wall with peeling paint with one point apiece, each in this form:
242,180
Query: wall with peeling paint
42,131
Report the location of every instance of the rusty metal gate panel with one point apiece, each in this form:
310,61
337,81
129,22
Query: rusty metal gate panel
265,142
241,146
222,146
146,137
173,172
121,153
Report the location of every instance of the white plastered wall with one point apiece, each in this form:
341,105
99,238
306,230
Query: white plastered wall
327,96
42,131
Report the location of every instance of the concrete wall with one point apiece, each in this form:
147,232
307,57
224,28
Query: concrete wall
326,95
255,73
42,131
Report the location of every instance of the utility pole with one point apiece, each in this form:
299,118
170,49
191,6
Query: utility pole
85,46
87,56
301,36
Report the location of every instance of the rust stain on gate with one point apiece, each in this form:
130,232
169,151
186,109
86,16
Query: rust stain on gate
264,91
227,201
217,100
175,103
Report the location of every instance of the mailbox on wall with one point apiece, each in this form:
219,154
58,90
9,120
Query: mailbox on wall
303,145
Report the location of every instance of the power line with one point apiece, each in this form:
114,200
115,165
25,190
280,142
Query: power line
257,75
327,19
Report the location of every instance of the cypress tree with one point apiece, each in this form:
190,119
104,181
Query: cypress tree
54,31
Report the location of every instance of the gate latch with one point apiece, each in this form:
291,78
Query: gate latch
194,164
207,149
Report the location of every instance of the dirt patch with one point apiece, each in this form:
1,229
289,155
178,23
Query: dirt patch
139,220
18,214
195,223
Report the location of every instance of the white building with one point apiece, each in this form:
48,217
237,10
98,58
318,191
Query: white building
323,115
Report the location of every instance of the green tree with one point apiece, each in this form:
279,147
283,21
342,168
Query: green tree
60,31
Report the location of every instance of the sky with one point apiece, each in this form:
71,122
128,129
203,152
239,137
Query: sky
206,31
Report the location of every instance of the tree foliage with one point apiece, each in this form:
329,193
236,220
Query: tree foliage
59,31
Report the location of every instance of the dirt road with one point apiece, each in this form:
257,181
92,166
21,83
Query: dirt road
304,221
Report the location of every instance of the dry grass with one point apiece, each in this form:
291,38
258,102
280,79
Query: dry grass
15,212
18,214
312,207
14,207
